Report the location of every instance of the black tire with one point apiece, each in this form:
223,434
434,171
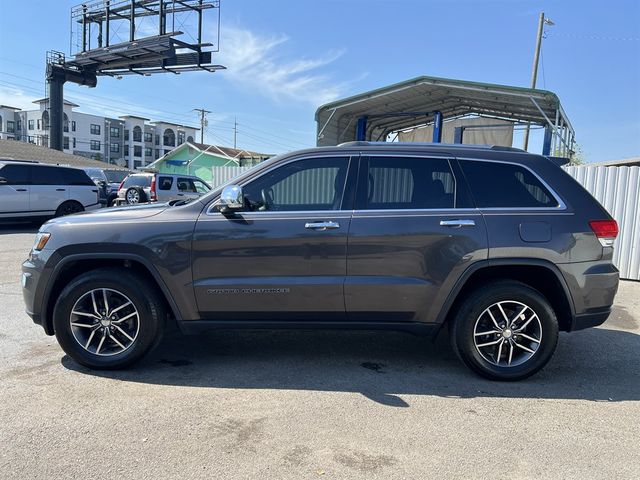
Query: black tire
144,298
135,195
493,363
69,207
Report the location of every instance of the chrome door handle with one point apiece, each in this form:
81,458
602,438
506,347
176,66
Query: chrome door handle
321,225
457,223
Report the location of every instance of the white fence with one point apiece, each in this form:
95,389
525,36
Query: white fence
221,175
618,190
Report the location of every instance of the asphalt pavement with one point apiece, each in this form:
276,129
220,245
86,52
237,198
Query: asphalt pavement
309,404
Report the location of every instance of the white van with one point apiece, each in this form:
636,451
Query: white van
30,189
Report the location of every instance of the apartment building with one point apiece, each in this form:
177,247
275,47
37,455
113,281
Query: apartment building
128,141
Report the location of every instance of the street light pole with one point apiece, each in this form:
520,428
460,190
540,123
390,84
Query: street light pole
542,21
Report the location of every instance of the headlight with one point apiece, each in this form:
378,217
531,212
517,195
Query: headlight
40,241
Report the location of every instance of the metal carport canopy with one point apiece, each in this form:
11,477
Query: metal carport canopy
337,121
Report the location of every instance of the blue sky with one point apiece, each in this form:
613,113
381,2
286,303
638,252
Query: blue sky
286,57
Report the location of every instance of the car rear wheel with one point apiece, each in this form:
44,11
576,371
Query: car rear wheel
69,208
505,331
108,319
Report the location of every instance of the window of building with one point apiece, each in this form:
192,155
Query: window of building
19,125
393,183
11,126
166,151
65,143
148,137
190,139
74,142
95,129
114,148
65,123
31,139
180,138
95,144
157,154
126,135
45,120
38,124
137,163
137,134
30,124
148,152
114,132
126,150
73,125
287,186
137,151
169,138
157,139
503,185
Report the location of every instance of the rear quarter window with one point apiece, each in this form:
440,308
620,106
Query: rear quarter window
504,185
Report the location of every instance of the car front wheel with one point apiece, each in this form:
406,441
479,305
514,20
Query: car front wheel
108,318
505,331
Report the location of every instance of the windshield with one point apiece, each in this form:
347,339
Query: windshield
137,181
116,176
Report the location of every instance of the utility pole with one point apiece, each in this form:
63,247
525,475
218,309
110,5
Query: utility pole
542,21
203,121
235,131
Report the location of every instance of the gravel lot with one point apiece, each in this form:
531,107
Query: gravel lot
314,404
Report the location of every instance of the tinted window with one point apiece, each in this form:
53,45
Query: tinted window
75,176
137,181
15,174
407,183
48,176
165,183
496,185
115,176
313,184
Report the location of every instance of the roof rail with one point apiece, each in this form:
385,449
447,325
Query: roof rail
361,143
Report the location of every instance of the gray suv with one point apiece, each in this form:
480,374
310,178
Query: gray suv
501,247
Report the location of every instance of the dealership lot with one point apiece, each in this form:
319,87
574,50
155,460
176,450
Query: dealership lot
313,404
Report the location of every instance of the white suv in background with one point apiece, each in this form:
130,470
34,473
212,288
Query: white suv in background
160,187
30,189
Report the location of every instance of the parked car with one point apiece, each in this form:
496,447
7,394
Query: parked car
109,180
31,189
161,187
501,247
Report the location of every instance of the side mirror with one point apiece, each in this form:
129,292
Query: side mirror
3,181
231,198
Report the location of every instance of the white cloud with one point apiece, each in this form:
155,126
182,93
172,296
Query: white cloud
253,61
16,97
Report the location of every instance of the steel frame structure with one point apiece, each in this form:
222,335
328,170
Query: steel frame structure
139,55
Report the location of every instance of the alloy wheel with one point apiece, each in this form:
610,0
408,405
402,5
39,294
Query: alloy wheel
507,333
104,322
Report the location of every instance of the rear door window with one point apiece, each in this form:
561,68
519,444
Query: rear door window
165,183
407,183
48,176
504,185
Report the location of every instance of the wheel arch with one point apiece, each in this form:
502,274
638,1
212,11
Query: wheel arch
73,265
543,276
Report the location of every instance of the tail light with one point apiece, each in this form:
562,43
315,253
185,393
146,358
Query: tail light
605,230
153,189
121,184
